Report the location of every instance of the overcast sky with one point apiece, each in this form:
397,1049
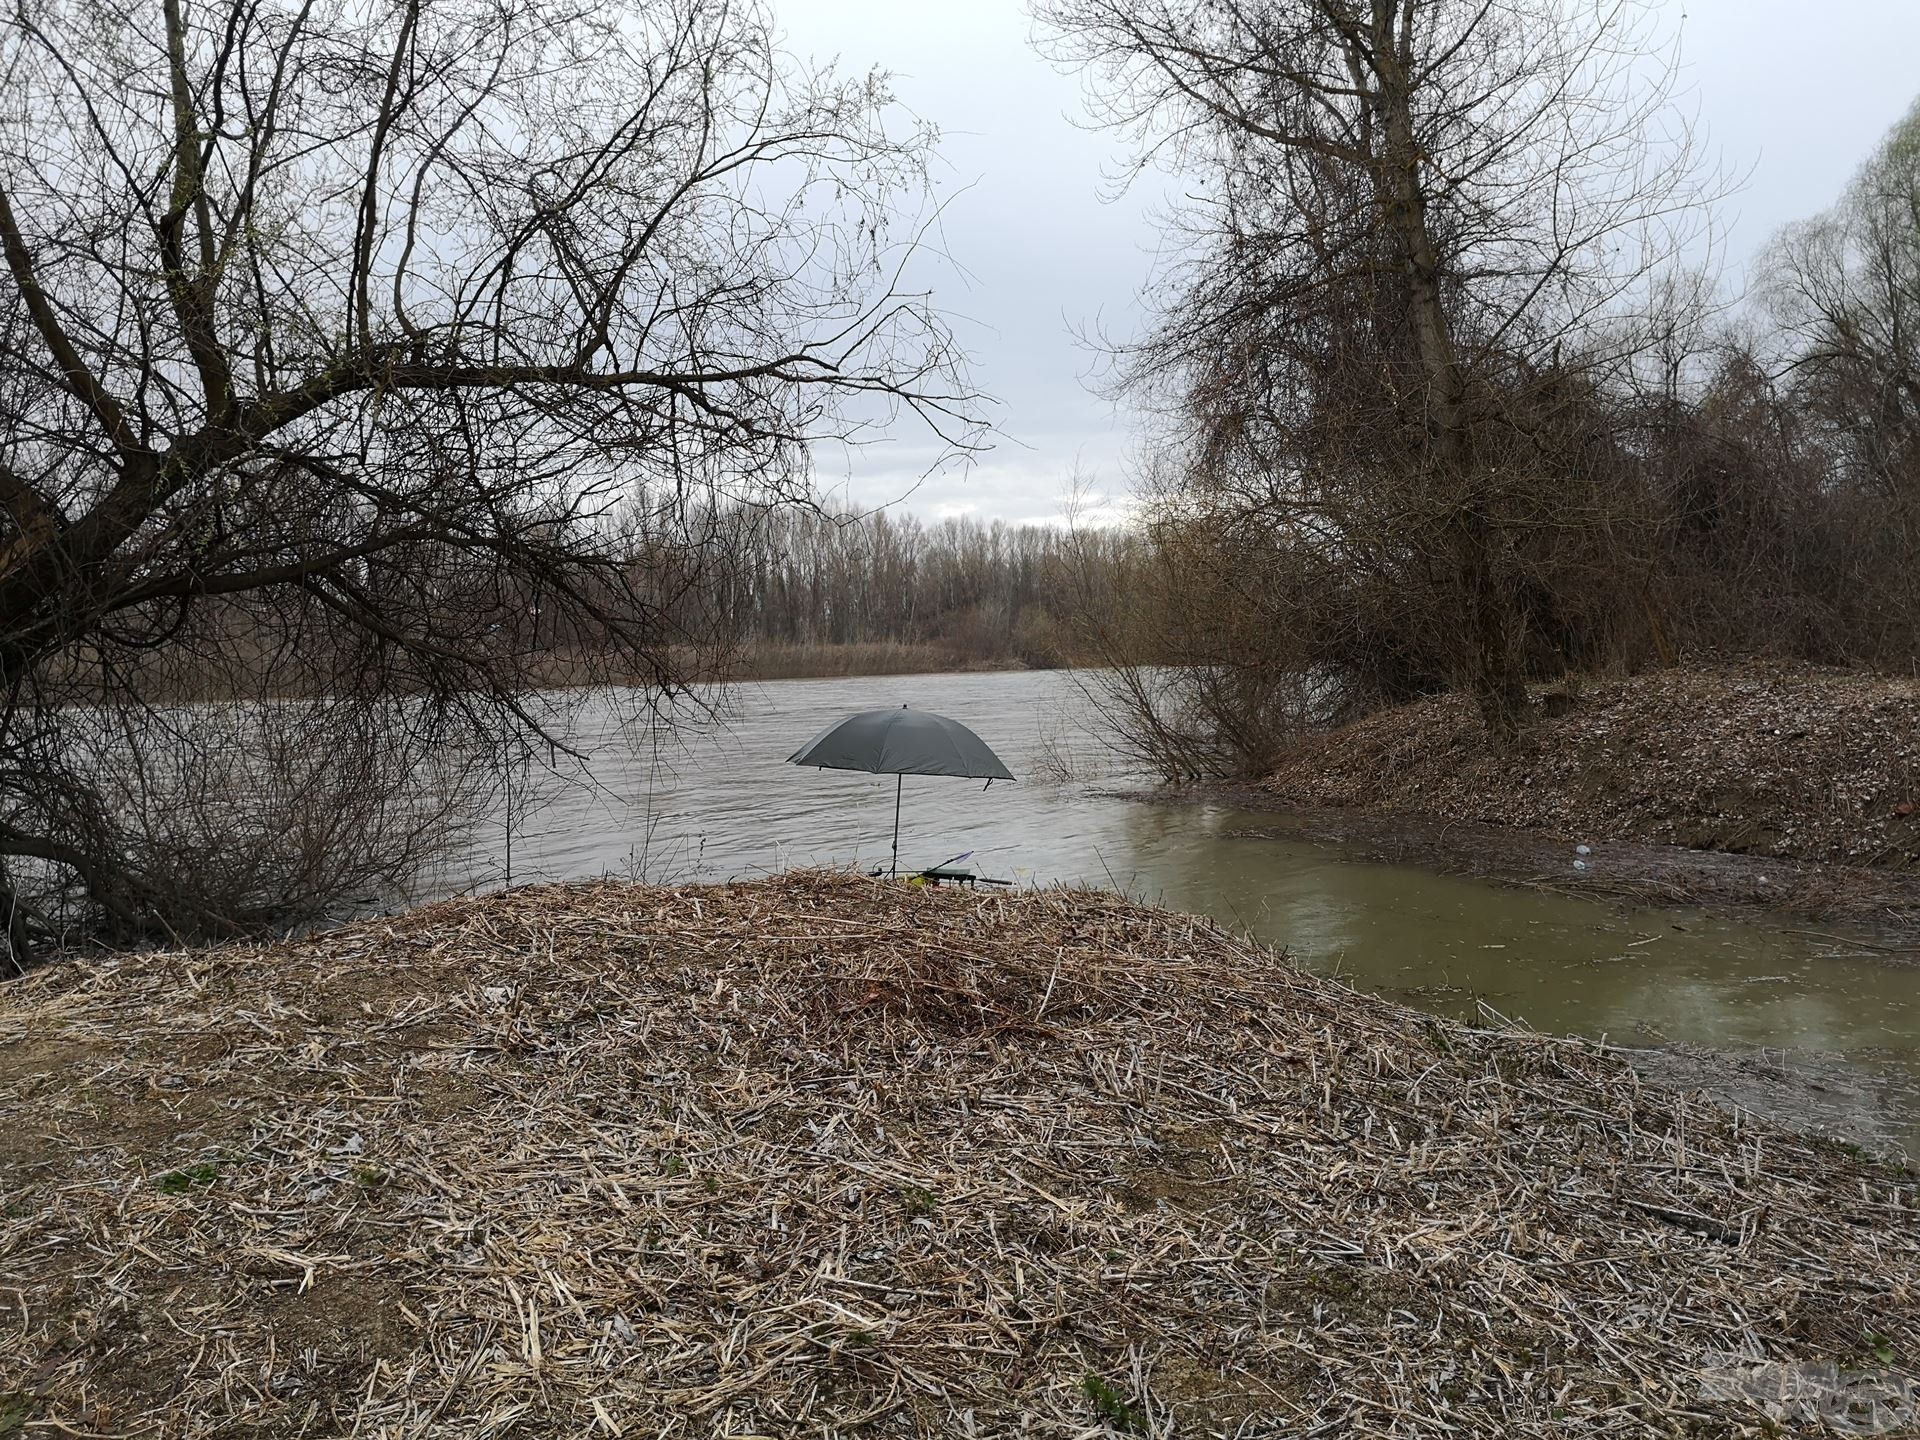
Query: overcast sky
1793,91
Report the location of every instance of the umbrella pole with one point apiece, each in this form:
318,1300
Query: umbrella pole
898,781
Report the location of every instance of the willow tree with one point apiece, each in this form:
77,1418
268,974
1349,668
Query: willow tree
337,331
1419,247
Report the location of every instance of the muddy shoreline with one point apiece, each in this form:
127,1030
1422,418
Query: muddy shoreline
1879,908
1875,917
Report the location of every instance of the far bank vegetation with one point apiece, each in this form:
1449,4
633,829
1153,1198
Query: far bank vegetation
824,591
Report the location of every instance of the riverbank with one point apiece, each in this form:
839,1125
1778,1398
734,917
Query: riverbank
1881,906
1780,788
828,1153
1790,763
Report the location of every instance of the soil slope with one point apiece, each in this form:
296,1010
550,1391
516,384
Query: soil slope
829,1155
1791,763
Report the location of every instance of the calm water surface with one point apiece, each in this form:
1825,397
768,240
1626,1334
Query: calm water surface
721,802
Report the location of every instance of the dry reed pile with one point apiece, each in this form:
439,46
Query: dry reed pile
1792,762
833,1156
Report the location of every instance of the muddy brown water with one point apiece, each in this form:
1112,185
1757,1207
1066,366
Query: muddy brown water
1791,1023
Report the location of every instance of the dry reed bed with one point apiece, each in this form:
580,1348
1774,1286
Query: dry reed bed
828,1155
1786,761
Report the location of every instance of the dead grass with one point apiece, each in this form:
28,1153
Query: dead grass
832,1156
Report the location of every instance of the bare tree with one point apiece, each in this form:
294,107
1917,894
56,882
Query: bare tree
979,591
1844,289
339,328
1420,249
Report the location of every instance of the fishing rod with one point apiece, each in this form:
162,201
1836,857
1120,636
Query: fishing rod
941,866
969,880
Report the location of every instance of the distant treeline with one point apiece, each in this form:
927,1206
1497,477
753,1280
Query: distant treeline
715,591
793,587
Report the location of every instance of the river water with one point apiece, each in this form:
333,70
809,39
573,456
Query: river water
717,801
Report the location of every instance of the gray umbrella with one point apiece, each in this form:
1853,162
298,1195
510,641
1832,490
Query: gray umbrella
900,743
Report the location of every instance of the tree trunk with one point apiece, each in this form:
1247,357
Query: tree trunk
1499,686
1488,617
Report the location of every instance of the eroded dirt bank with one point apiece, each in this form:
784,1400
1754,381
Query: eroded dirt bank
822,1153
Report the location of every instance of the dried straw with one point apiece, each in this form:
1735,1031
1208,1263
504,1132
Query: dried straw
827,1155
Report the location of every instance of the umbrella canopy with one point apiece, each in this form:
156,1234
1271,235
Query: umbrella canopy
899,743
902,742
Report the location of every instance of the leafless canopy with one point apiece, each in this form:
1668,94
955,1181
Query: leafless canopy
1426,236
1844,288
337,329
